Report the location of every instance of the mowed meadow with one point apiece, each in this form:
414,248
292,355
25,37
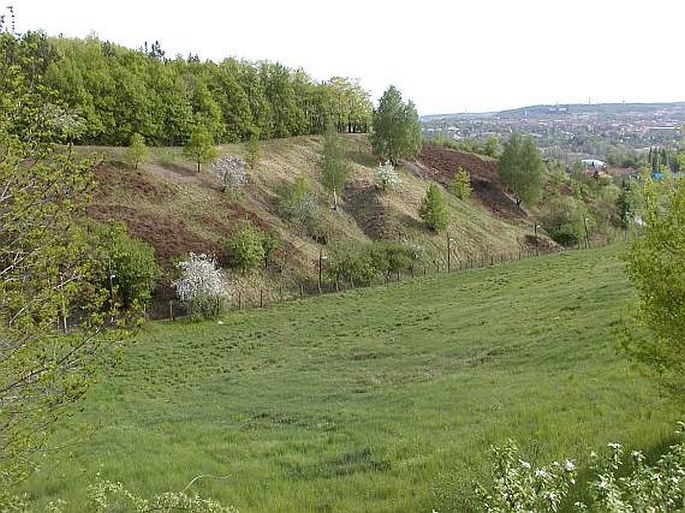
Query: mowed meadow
375,400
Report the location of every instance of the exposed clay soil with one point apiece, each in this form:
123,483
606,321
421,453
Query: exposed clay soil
169,236
440,164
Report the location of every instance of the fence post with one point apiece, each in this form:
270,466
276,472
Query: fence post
171,309
261,298
240,300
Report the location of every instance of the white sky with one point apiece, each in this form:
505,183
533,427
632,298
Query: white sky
447,56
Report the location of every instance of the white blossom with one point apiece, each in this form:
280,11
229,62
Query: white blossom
385,177
201,278
231,170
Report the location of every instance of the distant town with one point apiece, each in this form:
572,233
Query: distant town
571,132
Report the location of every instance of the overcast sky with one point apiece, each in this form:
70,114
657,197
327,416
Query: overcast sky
447,56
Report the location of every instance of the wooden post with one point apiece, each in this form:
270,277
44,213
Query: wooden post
240,300
261,298
171,310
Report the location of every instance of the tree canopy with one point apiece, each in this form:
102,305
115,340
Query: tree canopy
521,169
113,92
656,266
396,128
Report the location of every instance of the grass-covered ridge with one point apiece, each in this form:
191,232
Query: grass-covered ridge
373,400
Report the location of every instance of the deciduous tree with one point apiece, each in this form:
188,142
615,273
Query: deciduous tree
200,147
137,152
521,169
334,165
396,128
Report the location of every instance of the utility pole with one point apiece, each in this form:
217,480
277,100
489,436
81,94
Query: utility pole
450,240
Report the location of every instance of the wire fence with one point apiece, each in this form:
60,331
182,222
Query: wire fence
166,306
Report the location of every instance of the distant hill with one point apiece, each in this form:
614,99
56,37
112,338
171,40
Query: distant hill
574,108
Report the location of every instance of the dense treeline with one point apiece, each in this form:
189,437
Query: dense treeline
103,93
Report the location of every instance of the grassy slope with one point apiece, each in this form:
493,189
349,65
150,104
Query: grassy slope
370,401
175,209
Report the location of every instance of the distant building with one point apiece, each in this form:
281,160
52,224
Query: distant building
594,164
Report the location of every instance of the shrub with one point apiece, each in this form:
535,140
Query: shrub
618,485
386,178
230,169
564,220
126,267
245,246
433,209
202,286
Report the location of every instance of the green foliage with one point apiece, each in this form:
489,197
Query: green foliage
137,152
272,244
433,210
626,205
491,147
461,184
521,169
618,485
47,281
656,266
103,93
334,165
396,128
200,147
253,152
563,219
245,248
520,486
125,266
297,203
398,257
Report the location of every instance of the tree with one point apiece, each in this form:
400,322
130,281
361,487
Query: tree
386,178
253,151
521,169
56,323
245,246
202,285
396,128
656,266
137,152
46,280
200,147
461,184
231,171
491,147
333,165
433,210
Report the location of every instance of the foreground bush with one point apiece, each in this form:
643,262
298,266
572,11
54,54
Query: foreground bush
619,485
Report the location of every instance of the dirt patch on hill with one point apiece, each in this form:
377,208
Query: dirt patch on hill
170,236
112,182
439,164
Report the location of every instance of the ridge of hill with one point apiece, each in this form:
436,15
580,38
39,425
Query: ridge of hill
167,204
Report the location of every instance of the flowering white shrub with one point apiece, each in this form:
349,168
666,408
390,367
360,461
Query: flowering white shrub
385,177
621,485
520,486
202,285
231,170
105,496
658,488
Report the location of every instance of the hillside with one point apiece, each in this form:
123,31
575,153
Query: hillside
177,210
380,400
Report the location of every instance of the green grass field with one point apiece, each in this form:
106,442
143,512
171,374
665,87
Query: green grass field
377,400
